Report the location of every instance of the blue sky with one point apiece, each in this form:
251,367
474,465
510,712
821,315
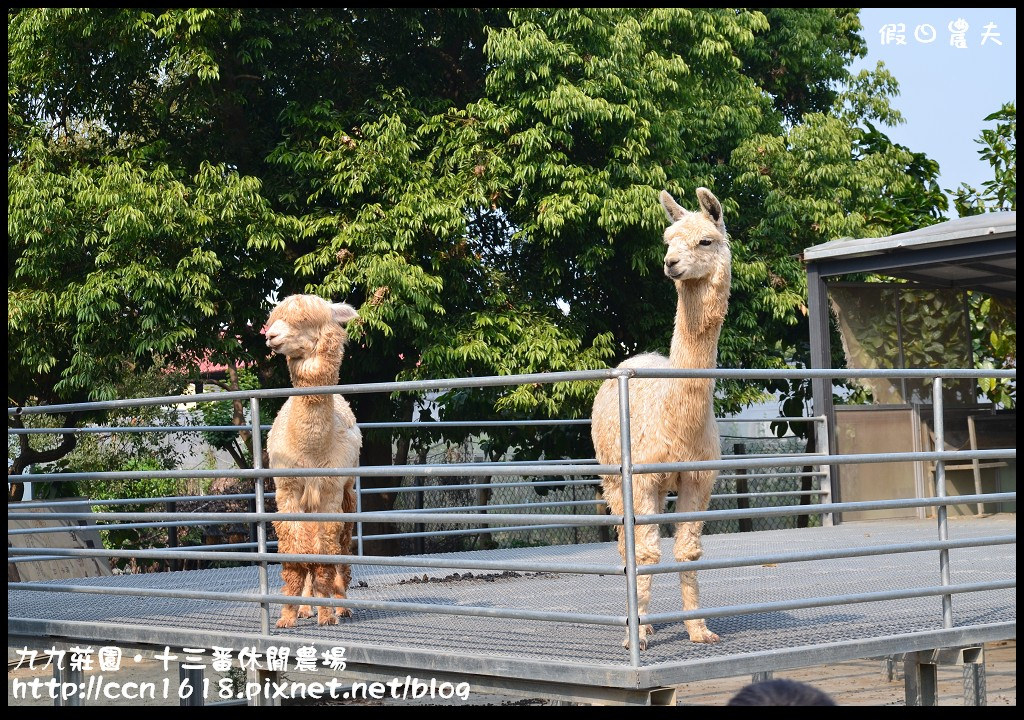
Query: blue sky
945,91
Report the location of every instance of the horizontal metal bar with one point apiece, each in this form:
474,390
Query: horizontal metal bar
101,429
599,501
780,510
881,596
523,469
479,486
772,476
456,508
503,380
812,555
367,491
34,558
428,424
190,549
820,459
410,511
452,470
484,464
469,531
509,613
787,418
93,430
225,518
808,373
111,526
778,493
420,424
410,561
214,552
131,501
355,389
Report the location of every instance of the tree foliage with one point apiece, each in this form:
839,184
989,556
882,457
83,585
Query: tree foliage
999,149
481,184
994,320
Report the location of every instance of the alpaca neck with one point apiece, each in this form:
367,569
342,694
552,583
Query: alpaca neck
320,368
700,311
697,327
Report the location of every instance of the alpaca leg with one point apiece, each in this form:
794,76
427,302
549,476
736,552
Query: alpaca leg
293,576
323,585
694,495
646,501
344,572
326,575
343,576
306,611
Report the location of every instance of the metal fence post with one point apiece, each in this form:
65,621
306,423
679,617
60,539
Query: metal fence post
629,523
825,484
974,679
261,682
940,491
742,503
261,528
66,675
920,679
359,510
192,678
172,536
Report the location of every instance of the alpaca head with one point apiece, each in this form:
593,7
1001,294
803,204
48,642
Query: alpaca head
697,244
301,322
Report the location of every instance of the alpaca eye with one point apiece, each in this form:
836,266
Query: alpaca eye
705,242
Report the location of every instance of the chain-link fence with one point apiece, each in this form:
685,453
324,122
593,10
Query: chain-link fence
581,495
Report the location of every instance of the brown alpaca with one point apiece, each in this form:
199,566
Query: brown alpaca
313,431
673,420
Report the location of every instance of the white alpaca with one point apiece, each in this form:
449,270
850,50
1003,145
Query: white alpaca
672,420
313,431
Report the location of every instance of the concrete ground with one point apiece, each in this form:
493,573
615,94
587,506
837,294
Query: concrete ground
856,682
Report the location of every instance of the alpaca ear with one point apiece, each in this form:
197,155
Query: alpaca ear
674,210
709,205
343,312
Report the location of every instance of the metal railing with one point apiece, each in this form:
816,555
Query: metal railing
491,522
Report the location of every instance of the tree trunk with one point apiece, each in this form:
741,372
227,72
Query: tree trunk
27,456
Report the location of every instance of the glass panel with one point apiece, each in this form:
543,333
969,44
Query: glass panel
904,326
935,336
869,327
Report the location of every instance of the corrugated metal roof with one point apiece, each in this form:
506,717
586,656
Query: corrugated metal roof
950,232
977,253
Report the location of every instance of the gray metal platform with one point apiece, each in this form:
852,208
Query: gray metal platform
580,653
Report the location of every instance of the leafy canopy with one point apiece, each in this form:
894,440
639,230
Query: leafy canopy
481,183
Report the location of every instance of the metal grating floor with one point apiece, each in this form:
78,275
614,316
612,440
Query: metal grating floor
591,645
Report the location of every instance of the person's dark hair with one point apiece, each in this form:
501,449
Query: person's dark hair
781,692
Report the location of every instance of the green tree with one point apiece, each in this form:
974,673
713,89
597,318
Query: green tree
999,149
994,320
482,184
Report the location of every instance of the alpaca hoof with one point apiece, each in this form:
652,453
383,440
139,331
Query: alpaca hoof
286,622
645,630
704,637
305,611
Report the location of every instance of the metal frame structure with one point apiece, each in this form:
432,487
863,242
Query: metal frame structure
597,677
975,253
